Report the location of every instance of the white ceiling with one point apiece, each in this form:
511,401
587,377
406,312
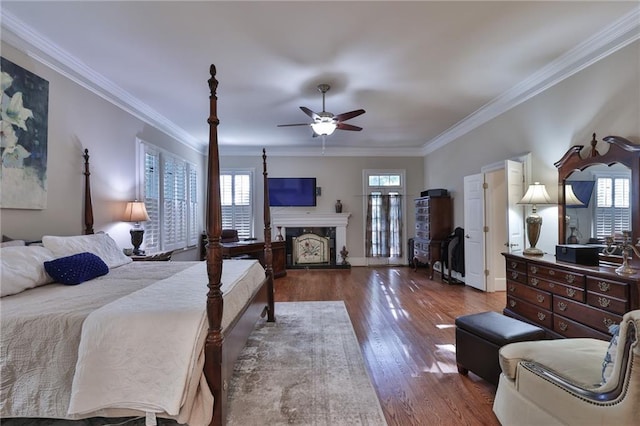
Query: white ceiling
426,72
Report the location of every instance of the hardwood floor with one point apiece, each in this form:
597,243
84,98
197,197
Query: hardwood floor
405,326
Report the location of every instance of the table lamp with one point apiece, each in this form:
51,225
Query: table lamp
536,194
136,212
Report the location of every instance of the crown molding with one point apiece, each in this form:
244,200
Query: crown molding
43,50
621,33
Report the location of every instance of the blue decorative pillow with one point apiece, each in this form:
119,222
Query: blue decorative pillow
610,356
76,269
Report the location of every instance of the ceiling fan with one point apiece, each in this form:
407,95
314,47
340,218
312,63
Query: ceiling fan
325,123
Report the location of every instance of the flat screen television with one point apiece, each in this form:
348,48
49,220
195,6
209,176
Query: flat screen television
292,192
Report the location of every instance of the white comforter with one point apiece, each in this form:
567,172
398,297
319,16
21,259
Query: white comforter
41,327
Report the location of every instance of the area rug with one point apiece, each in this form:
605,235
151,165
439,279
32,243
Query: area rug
304,369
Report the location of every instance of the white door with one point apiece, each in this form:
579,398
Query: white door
474,232
515,219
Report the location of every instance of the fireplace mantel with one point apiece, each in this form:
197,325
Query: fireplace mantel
310,219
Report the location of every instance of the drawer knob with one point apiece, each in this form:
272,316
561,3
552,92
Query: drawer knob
604,302
512,288
603,286
562,306
570,278
552,285
563,326
534,269
541,316
552,272
512,303
514,275
571,292
607,322
540,298
534,282
513,265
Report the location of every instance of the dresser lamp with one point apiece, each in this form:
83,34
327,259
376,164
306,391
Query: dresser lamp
136,212
571,200
536,194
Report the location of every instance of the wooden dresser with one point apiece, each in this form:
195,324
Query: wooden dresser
434,223
568,300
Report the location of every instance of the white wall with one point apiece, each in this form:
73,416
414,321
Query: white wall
603,98
79,119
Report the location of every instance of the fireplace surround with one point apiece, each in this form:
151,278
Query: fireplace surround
320,231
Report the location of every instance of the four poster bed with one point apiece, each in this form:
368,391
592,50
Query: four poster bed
136,338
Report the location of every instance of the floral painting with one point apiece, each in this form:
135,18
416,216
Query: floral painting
24,106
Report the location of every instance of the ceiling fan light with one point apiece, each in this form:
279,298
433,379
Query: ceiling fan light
323,128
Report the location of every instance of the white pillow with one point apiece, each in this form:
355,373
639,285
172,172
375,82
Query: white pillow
13,243
102,245
23,268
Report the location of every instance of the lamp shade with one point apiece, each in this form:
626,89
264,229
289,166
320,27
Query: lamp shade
536,194
570,198
135,212
323,127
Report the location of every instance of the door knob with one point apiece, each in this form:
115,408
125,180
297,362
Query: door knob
467,236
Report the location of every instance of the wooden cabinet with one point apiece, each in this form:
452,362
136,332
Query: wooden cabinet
568,300
434,223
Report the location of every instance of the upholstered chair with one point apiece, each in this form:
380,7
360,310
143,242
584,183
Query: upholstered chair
578,381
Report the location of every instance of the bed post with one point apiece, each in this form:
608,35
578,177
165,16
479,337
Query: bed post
213,344
88,208
268,254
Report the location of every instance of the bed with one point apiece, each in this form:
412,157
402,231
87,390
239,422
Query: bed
137,339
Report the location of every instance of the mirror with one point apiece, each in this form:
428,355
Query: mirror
595,210
619,160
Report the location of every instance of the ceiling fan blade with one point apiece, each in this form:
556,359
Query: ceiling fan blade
290,125
345,126
348,115
310,113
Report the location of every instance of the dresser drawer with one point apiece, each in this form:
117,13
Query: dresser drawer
531,295
571,292
516,265
422,203
556,275
517,276
608,288
607,303
533,313
570,328
585,314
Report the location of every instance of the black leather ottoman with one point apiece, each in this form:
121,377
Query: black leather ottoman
480,336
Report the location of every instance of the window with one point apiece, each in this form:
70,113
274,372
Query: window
613,211
236,191
384,221
170,194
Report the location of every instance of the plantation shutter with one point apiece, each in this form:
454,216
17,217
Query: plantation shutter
613,211
174,221
151,198
236,197
193,206
170,193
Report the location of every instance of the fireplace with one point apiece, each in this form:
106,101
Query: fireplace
310,247
312,240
